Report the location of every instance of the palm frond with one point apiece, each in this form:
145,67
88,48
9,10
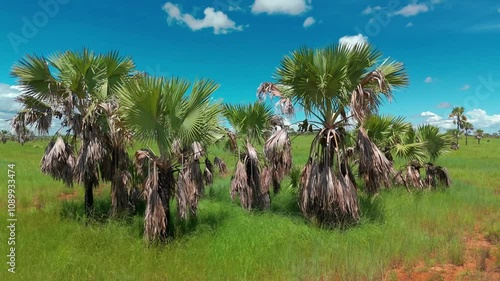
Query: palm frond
376,169
58,161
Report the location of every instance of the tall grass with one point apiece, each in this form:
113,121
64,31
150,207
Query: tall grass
397,229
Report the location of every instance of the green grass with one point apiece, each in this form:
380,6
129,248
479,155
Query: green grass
397,229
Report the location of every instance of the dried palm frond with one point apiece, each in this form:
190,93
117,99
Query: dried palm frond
248,180
274,90
376,169
231,144
278,152
155,219
276,121
239,186
177,148
59,161
435,174
208,177
209,166
87,162
197,150
412,176
266,178
121,182
158,186
327,195
187,195
221,166
365,99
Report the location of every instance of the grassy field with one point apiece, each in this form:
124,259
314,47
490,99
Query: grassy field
398,231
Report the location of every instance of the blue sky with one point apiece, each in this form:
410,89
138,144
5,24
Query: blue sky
450,47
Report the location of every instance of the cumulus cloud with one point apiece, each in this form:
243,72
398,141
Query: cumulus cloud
353,40
436,120
410,24
412,10
286,7
428,80
479,118
465,87
217,20
8,105
309,21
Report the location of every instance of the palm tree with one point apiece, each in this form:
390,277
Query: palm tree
421,147
468,127
338,85
459,118
157,110
455,134
77,88
479,135
250,182
4,135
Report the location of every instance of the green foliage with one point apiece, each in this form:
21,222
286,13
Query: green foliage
227,243
158,110
250,121
322,80
424,143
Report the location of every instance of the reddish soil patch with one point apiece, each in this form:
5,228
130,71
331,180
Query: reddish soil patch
480,263
67,196
37,203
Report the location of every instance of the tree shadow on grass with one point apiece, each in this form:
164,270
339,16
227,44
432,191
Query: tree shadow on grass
101,214
207,221
371,208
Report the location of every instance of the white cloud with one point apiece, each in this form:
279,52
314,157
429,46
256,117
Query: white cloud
428,80
465,87
481,120
370,10
410,24
8,105
353,40
436,120
309,21
287,7
498,10
412,10
217,20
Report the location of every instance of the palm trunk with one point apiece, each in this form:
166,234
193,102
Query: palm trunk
465,138
89,198
119,195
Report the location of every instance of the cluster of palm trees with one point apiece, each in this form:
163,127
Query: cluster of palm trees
104,104
22,135
460,119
